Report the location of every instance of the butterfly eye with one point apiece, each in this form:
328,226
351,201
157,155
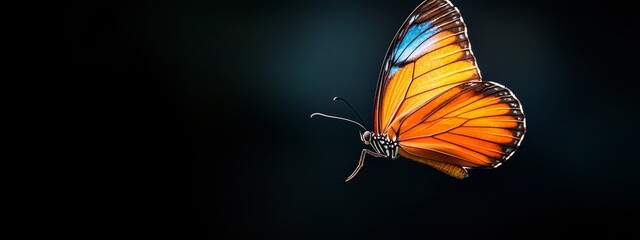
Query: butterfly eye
366,137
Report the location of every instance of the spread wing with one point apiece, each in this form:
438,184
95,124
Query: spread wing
430,97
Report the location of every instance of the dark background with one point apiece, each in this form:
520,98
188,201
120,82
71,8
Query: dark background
201,113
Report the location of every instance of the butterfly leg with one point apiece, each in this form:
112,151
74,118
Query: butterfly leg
361,162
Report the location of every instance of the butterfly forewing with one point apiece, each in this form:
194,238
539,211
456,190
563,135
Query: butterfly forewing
429,54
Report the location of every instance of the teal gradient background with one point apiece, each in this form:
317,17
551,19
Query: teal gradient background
210,107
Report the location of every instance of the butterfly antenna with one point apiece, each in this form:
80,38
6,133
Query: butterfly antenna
354,110
339,118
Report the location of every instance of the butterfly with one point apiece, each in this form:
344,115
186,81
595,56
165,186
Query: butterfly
431,104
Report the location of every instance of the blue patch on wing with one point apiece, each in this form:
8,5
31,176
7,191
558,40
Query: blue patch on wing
393,70
416,35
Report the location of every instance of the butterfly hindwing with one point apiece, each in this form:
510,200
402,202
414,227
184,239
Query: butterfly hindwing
472,125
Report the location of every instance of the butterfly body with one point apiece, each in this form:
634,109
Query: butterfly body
431,104
384,145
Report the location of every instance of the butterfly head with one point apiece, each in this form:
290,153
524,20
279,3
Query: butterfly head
366,137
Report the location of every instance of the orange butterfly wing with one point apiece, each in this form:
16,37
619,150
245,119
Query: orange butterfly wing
473,125
430,54
431,99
